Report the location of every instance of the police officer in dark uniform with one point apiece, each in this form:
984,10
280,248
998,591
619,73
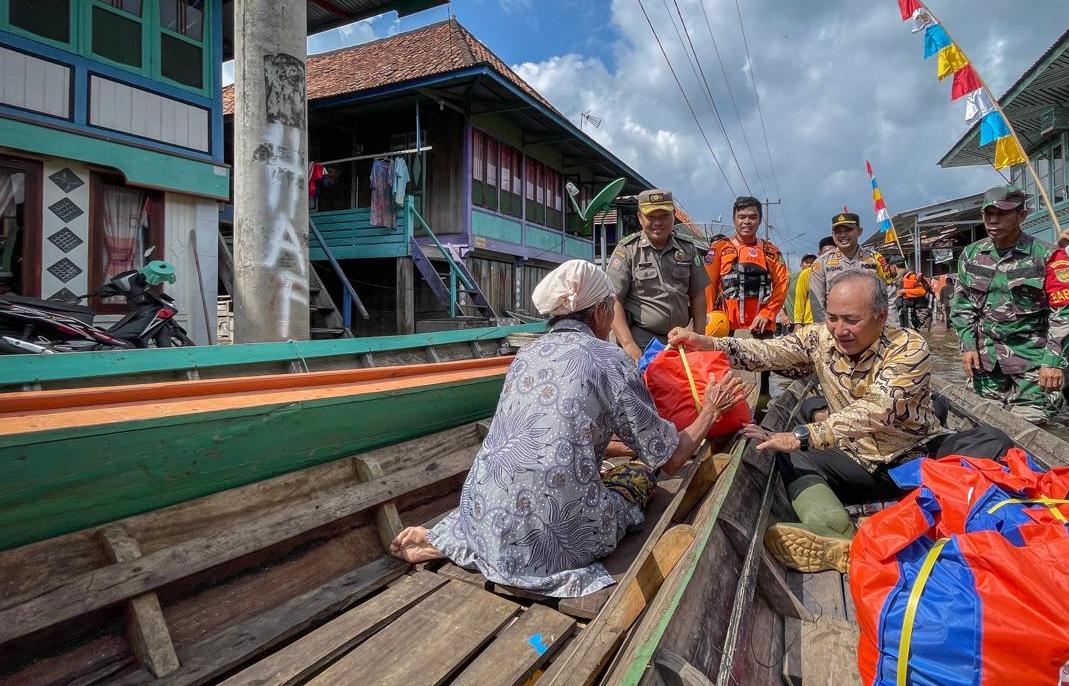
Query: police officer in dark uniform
659,277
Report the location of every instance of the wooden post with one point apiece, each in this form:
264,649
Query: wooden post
145,624
387,519
406,297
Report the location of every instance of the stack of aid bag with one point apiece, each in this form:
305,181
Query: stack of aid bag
966,580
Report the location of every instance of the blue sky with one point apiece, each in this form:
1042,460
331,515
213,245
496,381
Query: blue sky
839,81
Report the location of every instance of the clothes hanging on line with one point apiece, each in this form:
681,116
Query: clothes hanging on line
317,174
382,207
401,178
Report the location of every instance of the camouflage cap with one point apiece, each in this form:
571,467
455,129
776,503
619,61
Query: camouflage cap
656,200
1003,197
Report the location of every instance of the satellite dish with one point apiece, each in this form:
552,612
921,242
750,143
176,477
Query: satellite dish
603,199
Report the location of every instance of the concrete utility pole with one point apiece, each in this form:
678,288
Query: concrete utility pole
270,171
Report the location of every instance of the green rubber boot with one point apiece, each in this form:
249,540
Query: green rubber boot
821,541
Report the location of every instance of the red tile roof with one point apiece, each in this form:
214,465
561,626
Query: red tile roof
435,49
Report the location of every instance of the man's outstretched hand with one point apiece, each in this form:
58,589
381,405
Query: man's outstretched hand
776,442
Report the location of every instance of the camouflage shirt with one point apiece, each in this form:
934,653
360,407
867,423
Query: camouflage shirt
1001,309
880,402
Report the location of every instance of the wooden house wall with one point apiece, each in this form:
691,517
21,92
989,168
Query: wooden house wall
446,200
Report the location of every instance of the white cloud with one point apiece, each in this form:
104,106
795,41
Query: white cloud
839,82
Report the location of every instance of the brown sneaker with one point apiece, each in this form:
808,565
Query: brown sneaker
797,547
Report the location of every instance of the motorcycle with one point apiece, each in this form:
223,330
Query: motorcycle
32,325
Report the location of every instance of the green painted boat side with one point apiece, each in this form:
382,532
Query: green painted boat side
60,481
30,369
643,654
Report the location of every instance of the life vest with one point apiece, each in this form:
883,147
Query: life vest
915,285
749,276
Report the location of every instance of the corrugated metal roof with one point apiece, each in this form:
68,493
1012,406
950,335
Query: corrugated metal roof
1044,84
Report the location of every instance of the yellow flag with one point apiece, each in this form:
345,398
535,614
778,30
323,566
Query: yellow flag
890,237
876,195
1008,152
951,60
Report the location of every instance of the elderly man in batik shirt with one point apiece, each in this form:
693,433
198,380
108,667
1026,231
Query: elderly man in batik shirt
877,383
535,511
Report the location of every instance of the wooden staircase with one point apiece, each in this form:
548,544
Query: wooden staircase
325,320
453,284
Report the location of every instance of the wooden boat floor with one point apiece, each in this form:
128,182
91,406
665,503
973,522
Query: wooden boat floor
822,652
424,630
616,564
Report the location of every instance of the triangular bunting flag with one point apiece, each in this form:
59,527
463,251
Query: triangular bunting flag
965,82
922,19
951,59
1008,153
908,7
889,237
935,39
977,105
992,128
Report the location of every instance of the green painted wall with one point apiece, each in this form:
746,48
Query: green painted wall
575,247
495,227
60,481
139,166
541,238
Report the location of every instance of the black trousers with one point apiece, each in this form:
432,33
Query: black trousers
848,479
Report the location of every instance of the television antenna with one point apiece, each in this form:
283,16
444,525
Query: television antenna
594,120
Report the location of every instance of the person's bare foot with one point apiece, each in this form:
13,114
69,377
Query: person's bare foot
411,545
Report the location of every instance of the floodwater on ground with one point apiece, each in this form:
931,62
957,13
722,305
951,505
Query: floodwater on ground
947,369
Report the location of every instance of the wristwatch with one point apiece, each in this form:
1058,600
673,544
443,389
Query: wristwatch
801,432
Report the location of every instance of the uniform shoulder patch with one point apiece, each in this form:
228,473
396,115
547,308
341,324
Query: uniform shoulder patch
629,238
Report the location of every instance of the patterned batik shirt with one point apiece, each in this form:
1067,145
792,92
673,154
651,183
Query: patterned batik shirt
880,403
534,512
1002,310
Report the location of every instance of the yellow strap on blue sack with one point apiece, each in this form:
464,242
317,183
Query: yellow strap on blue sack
1048,502
911,609
690,379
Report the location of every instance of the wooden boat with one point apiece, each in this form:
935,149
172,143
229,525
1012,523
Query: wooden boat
187,422
729,614
286,581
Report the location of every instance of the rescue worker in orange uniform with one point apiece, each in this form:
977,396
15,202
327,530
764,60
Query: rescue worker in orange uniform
914,293
748,277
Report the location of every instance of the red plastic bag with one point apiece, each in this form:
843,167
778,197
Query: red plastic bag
666,378
991,606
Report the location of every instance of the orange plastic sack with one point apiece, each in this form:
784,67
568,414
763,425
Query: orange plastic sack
666,378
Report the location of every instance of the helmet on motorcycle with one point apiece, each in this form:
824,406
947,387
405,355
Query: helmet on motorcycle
716,324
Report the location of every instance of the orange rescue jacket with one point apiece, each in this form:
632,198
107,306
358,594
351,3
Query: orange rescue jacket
745,281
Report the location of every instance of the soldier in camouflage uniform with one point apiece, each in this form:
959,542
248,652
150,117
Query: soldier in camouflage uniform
1012,339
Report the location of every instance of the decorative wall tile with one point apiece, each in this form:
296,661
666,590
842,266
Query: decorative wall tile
65,239
65,229
64,270
64,295
66,179
66,210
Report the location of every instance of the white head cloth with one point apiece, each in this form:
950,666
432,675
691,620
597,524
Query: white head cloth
571,287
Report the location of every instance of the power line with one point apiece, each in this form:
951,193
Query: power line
708,90
731,95
757,99
685,98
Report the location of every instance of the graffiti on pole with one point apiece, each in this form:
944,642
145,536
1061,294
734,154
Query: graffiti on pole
284,172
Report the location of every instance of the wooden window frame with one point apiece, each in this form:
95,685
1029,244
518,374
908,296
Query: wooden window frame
32,214
157,223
